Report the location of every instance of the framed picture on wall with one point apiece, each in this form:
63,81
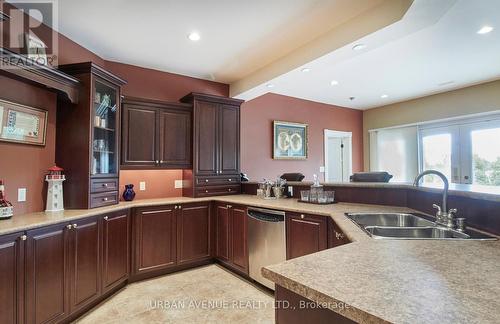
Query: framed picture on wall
22,124
289,141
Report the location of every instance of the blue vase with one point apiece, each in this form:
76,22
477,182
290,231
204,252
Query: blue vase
129,193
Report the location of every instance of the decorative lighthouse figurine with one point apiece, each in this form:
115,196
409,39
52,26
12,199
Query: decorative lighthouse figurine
55,180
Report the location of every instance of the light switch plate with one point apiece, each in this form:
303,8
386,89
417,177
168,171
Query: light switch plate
321,169
142,185
21,194
178,184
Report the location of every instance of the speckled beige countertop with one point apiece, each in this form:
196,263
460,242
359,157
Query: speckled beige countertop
378,280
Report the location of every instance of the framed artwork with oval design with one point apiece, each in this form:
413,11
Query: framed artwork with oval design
290,141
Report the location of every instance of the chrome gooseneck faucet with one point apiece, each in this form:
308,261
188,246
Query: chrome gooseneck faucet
443,215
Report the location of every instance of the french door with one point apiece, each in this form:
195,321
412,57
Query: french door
467,152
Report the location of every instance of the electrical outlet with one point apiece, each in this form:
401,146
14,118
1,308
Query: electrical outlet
21,194
142,185
178,184
321,169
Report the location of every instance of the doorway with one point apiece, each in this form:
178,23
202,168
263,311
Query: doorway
338,156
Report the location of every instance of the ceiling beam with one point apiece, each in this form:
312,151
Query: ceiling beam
384,14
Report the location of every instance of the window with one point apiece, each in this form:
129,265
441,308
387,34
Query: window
466,151
395,151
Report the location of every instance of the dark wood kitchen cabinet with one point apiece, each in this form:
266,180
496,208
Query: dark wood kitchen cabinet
87,138
216,146
231,236
115,250
239,253
305,234
154,238
156,134
84,262
47,295
223,232
12,278
193,233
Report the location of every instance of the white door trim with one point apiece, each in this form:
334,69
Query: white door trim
328,133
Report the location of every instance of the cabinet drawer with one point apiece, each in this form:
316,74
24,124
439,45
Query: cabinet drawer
103,185
219,190
103,199
217,181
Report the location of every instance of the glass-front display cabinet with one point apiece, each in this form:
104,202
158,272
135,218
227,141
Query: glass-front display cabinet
104,140
87,139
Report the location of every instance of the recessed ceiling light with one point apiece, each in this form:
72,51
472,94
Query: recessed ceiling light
270,85
384,96
194,36
334,82
485,30
306,70
359,47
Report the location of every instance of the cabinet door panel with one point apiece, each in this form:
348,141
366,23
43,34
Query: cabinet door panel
155,239
175,139
115,250
239,238
11,278
193,233
306,234
223,235
139,136
84,268
229,140
46,275
206,138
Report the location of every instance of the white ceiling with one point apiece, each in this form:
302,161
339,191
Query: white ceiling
435,43
237,36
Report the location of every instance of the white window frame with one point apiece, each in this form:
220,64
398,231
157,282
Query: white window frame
461,164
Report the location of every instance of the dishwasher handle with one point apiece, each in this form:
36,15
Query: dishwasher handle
266,215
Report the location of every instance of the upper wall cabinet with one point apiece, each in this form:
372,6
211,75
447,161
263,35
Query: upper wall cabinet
216,145
156,135
87,139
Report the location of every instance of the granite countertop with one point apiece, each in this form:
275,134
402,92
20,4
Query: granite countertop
399,281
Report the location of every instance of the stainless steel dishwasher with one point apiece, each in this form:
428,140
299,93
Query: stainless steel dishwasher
266,241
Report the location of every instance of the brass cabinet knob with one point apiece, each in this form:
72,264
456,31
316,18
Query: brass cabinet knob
302,216
175,207
180,207
206,180
229,180
69,226
75,225
105,199
23,237
106,218
206,191
229,189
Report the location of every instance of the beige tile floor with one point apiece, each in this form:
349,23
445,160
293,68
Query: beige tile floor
208,294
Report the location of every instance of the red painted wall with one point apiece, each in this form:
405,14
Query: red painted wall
22,165
154,84
257,118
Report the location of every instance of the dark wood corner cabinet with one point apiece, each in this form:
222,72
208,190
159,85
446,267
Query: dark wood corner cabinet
87,138
156,134
216,146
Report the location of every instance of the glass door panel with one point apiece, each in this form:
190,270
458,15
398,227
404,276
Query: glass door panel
485,149
439,152
104,144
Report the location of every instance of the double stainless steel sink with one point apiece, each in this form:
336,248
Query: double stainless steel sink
409,227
